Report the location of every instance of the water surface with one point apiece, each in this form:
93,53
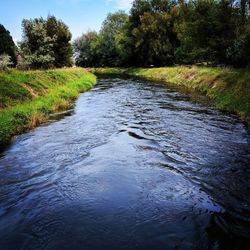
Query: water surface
136,165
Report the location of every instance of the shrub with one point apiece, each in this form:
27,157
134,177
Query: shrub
5,61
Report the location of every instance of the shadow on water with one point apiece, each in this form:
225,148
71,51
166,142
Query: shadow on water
135,165
226,233
52,118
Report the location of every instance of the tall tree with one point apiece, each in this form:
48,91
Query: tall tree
196,31
226,21
37,44
164,32
111,35
62,49
153,32
206,29
86,50
106,48
46,43
7,45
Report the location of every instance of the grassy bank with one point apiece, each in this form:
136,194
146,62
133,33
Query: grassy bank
28,97
229,89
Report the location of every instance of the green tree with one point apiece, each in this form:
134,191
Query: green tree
207,30
37,46
111,36
106,48
124,46
62,49
238,54
7,45
46,43
164,32
86,50
196,31
152,31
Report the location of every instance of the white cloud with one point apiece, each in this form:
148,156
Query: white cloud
122,4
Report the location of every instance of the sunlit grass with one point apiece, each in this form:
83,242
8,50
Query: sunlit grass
27,98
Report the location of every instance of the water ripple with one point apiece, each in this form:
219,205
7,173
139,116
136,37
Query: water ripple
135,165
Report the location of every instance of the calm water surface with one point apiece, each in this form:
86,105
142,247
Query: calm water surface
135,166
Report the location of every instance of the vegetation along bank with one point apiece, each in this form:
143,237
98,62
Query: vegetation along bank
229,89
28,97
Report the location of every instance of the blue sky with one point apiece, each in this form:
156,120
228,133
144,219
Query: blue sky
79,15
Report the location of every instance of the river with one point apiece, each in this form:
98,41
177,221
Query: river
135,165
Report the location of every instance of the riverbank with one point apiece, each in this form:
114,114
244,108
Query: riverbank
229,89
27,98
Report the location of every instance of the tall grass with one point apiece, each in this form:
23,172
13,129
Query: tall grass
27,98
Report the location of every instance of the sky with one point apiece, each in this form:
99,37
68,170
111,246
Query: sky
79,15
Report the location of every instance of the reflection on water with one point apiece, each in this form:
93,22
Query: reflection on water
134,166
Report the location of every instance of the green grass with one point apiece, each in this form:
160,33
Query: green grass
229,89
28,97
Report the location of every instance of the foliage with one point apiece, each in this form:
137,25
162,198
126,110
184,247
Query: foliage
110,37
153,34
45,43
37,44
62,49
166,32
7,45
238,54
205,30
5,61
105,47
86,50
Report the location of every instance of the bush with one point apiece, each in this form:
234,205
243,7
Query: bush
5,61
239,53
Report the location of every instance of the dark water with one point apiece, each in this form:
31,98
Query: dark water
135,166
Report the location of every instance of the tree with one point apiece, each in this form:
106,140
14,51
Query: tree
5,61
164,32
124,46
206,30
62,49
196,31
86,49
37,45
152,31
111,36
238,54
46,43
106,48
7,45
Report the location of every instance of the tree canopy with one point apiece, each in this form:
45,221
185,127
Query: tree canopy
154,33
7,45
106,47
46,43
167,32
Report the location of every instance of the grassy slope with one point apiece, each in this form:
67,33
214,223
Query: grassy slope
228,88
28,97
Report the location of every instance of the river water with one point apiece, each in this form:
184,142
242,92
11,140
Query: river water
136,165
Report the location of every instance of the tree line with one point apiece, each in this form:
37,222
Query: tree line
167,32
154,33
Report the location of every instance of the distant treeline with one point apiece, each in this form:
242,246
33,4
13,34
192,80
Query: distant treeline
155,33
167,32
